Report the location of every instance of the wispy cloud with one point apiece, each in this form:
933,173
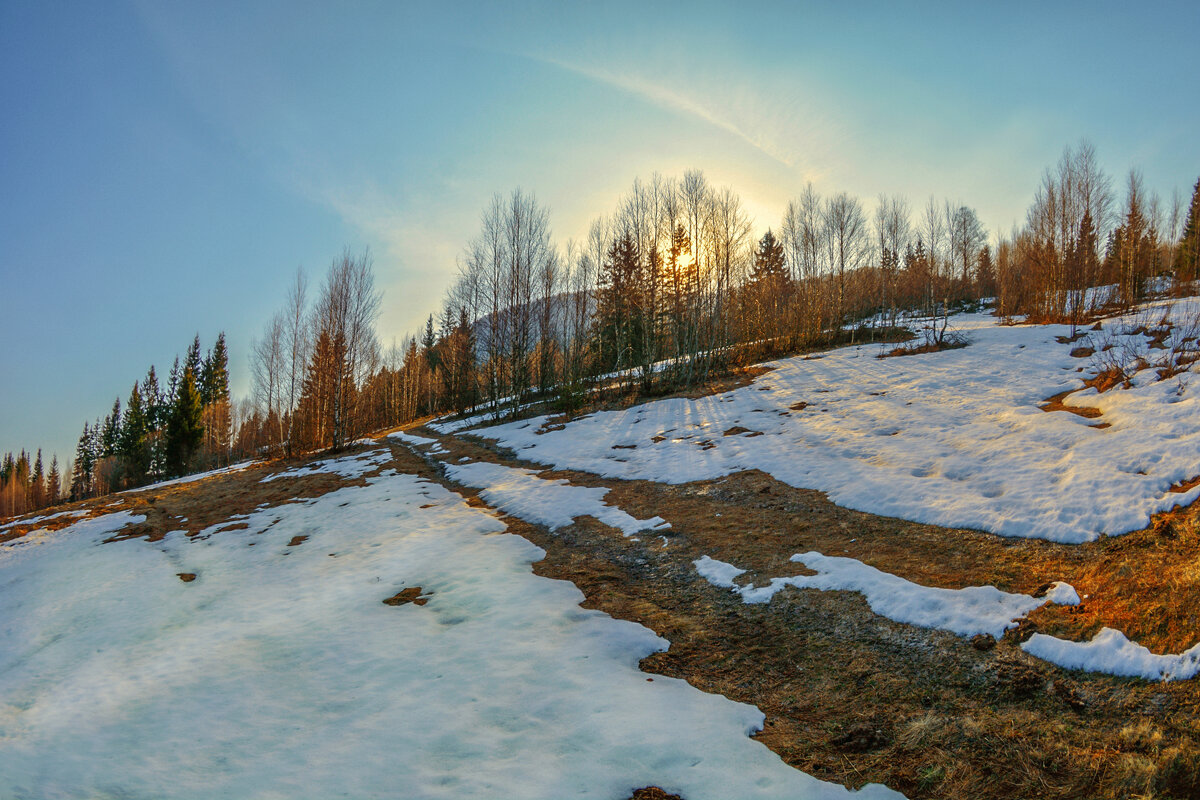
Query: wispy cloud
667,98
782,125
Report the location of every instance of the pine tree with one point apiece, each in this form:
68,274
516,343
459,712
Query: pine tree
85,459
53,483
153,400
185,428
214,380
214,397
37,486
172,390
133,447
111,431
769,265
192,360
618,326
1188,260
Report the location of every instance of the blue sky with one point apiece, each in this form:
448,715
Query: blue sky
166,167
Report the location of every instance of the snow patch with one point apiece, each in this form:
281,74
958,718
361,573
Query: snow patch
553,503
1110,651
965,612
351,466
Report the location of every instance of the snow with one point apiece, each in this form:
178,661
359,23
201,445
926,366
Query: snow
718,573
965,612
279,672
449,425
410,439
544,501
351,466
954,438
1111,652
198,476
43,518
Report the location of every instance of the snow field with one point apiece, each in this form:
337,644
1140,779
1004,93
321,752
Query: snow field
279,672
543,501
954,438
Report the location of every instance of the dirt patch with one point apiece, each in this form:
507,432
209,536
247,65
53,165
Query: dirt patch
186,577
653,793
297,541
1185,486
412,594
737,430
1058,403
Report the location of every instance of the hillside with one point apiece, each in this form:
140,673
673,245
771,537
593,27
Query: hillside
957,573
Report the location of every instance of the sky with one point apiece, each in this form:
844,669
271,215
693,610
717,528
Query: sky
165,168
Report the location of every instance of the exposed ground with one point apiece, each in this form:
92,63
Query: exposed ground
849,696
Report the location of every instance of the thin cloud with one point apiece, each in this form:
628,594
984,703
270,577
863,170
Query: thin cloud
667,98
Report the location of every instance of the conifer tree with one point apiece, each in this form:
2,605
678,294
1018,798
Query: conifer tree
192,360
618,324
111,431
214,380
85,459
53,482
153,400
37,486
133,441
214,397
185,428
172,390
1188,260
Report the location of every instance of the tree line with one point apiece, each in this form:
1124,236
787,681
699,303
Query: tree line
670,289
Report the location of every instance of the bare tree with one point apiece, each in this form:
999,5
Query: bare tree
267,372
296,329
847,242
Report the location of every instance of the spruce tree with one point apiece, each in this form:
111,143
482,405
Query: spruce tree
133,441
111,431
215,381
770,268
37,486
192,359
53,482
152,400
185,428
172,390
81,479
1188,260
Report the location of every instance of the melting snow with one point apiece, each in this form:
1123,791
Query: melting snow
351,466
278,671
553,503
966,612
1111,652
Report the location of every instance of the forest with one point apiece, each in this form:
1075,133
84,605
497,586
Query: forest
671,289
